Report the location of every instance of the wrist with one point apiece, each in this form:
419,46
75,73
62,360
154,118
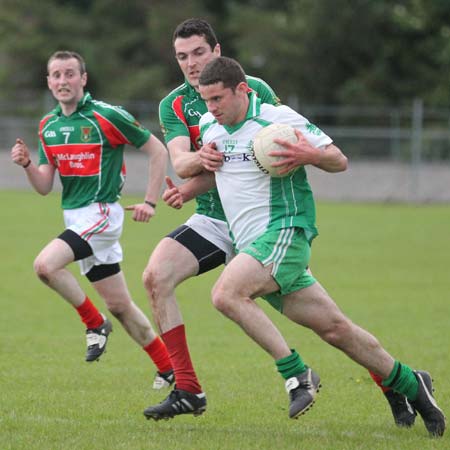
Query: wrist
27,164
183,193
153,205
316,157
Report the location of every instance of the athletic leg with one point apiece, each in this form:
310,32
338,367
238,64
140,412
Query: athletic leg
170,264
182,255
233,295
313,307
50,265
114,291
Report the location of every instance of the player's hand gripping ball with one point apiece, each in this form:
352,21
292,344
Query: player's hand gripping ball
263,144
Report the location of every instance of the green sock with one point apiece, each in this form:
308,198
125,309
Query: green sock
403,380
290,365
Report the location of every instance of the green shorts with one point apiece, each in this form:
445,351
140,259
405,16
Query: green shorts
289,252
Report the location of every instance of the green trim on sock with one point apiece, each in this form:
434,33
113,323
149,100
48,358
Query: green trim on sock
291,365
403,381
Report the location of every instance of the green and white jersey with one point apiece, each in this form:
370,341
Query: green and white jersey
179,115
87,149
253,201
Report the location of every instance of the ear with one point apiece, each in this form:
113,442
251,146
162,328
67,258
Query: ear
84,79
217,50
242,88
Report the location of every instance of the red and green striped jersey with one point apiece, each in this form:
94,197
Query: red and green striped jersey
87,149
179,115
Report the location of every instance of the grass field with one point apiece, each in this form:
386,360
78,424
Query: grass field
386,266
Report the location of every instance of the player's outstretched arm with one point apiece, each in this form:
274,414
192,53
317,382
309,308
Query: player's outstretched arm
185,163
176,196
143,212
40,177
188,164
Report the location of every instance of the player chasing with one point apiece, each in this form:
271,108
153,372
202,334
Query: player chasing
203,242
272,221
83,139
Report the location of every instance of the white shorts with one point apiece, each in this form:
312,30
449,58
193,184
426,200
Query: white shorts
100,225
215,231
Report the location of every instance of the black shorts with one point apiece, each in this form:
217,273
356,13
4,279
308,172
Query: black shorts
208,255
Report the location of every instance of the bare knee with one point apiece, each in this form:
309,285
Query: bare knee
118,308
337,331
221,298
158,281
114,292
42,270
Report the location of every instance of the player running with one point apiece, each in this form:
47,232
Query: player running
83,139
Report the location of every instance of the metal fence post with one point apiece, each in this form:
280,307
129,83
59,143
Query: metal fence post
416,147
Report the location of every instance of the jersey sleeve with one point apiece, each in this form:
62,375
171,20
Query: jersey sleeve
171,118
44,155
263,91
120,127
312,133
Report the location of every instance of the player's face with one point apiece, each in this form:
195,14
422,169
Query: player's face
192,54
65,81
227,107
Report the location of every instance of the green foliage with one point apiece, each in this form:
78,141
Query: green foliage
340,52
320,51
386,266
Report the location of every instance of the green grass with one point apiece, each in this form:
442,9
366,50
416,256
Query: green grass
386,266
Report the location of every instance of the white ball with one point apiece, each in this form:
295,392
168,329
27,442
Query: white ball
263,144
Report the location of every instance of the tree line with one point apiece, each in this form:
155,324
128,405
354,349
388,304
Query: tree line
340,52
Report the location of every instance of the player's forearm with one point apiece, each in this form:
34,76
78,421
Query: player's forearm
197,185
157,169
332,159
186,164
40,178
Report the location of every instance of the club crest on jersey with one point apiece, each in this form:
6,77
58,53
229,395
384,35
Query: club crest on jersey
313,129
86,134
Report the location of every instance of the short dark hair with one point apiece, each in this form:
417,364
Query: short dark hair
67,54
195,27
225,70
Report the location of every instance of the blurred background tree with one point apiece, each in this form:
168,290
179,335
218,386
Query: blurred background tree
339,52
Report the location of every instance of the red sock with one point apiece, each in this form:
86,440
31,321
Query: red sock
158,352
378,381
89,314
185,377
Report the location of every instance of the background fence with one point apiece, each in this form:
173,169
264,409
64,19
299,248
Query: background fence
395,154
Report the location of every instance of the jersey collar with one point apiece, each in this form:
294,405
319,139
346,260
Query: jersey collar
254,110
85,99
191,91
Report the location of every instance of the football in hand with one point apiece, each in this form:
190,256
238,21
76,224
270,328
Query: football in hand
263,144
